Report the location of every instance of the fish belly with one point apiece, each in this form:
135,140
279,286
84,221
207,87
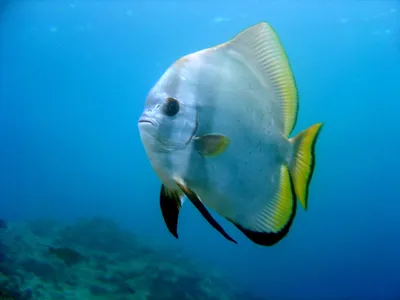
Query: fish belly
241,180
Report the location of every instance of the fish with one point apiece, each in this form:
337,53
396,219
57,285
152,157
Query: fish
3,224
216,129
68,255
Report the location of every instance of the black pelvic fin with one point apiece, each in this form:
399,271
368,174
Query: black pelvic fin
202,209
170,203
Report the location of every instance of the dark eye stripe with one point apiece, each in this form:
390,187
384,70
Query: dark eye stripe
171,107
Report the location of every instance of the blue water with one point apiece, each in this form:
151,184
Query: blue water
73,79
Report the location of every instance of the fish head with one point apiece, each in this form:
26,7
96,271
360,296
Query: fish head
168,122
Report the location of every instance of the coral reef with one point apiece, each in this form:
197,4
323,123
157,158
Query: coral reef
95,259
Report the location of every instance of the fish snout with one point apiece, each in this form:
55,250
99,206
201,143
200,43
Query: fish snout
145,119
148,126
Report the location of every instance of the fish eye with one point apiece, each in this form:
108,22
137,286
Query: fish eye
171,107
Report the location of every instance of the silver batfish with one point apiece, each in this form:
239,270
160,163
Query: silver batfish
216,129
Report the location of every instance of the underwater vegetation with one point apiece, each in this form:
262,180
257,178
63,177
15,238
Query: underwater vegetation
96,259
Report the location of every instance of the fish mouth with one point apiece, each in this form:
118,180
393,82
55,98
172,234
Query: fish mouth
145,120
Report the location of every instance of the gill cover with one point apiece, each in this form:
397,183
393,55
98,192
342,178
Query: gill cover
172,105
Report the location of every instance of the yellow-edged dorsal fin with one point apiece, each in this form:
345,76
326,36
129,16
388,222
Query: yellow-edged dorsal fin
260,47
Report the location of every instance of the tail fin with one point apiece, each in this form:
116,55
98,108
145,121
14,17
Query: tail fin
301,166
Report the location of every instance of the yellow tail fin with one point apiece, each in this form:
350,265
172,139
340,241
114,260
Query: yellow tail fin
302,164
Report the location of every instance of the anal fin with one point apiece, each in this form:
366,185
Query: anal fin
272,222
171,203
202,209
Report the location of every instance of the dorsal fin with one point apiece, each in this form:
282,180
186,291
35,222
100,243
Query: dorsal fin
260,46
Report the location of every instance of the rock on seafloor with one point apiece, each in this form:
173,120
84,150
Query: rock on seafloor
96,259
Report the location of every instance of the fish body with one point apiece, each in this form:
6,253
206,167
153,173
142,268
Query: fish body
68,255
216,129
3,224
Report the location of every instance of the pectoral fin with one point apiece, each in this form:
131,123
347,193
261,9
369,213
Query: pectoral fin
171,203
211,144
202,209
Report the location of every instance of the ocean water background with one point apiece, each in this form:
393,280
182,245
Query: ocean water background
73,79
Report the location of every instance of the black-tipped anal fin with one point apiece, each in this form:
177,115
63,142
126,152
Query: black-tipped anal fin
170,203
265,238
202,209
274,223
